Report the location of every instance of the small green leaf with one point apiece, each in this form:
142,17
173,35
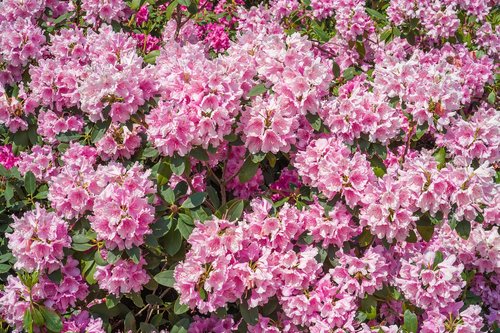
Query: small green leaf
375,14
438,258
235,210
28,321
463,229
492,97
81,247
178,164
38,319
129,322
314,120
164,173
440,157
194,200
30,182
247,170
170,9
257,90
425,228
52,320
150,58
111,301
165,278
200,154
180,308
134,254
410,322
369,307
55,276
168,195
185,225
251,316
173,242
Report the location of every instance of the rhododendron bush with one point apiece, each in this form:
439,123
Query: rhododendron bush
249,166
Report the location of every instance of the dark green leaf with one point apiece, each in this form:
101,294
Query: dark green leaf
185,225
463,229
173,242
194,200
314,120
251,316
30,182
200,154
134,254
129,322
247,170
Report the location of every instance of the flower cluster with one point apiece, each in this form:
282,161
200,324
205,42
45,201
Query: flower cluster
249,166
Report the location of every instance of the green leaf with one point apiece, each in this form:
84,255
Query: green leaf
153,300
314,120
178,164
150,152
30,182
99,260
438,258
213,196
349,73
99,130
375,14
28,321
129,322
378,166
425,228
137,299
251,316
111,301
185,2
134,254
369,307
52,320
247,170
322,35
150,58
9,192
164,173
365,238
200,154
410,322
4,268
170,9
55,276
180,308
492,97
257,90
38,319
258,157
81,247
185,225
194,200
181,326
235,210
463,229
440,157
147,328
165,278
173,242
